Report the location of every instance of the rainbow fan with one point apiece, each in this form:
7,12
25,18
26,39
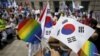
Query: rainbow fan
28,30
88,49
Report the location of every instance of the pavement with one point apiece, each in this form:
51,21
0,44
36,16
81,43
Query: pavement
16,48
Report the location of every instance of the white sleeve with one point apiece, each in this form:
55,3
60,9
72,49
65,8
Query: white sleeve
4,35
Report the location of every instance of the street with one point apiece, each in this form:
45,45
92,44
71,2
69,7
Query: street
16,48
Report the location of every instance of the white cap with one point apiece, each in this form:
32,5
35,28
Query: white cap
37,11
56,13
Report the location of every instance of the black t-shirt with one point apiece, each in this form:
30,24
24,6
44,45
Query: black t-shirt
97,41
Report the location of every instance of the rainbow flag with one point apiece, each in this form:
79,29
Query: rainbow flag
27,30
88,49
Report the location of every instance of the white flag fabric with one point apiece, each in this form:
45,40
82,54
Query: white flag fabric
48,23
72,33
47,33
55,28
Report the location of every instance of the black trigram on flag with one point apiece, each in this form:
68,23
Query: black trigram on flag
81,29
48,32
71,39
58,32
48,10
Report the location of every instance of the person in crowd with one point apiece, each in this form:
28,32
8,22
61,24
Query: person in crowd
19,19
54,16
67,14
38,16
77,14
33,48
33,13
10,27
3,33
92,15
85,20
56,49
52,52
5,14
95,38
65,50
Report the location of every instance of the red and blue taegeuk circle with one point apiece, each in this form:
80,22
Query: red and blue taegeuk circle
68,29
48,22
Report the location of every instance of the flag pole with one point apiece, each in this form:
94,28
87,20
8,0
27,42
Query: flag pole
44,42
96,54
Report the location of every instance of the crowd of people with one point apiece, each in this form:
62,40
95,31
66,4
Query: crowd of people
11,17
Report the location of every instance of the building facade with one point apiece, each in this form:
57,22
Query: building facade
54,4
88,4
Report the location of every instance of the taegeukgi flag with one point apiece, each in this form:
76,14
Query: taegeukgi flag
72,33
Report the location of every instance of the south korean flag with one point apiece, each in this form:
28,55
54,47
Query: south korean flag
48,23
72,33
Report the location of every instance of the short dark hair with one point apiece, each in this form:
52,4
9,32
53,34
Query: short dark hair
0,15
93,21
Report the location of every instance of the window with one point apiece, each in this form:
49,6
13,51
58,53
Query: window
41,4
32,3
85,5
56,5
69,4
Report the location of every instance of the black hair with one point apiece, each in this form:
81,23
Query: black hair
94,23
0,15
38,15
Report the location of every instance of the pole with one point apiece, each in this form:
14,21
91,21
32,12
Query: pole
43,41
